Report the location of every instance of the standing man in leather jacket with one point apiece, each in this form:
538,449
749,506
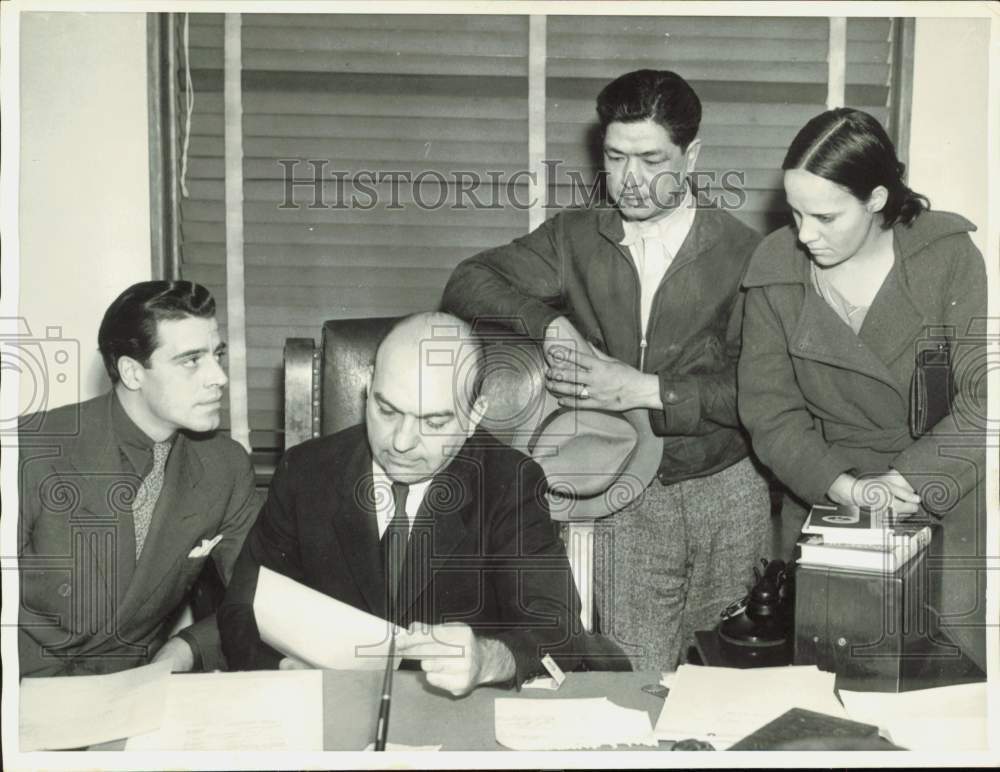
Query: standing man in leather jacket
638,305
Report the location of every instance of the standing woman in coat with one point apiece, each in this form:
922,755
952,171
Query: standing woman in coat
837,308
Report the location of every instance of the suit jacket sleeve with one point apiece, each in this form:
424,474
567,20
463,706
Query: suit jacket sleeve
272,542
520,281
539,603
240,512
36,630
955,449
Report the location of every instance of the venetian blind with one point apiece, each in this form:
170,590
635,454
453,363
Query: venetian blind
759,79
439,104
429,103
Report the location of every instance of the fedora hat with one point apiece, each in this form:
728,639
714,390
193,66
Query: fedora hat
596,462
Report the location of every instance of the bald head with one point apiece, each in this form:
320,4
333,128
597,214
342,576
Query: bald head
423,401
428,344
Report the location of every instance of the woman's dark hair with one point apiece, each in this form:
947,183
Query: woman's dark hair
661,95
850,148
130,323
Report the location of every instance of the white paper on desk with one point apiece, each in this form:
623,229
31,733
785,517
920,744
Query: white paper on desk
402,747
568,724
721,705
948,718
75,711
317,629
268,710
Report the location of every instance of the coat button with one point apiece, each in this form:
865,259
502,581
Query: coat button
671,397
65,589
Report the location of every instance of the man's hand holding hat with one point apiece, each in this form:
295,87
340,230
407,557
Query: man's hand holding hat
596,461
580,376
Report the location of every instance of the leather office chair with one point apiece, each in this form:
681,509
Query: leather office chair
324,393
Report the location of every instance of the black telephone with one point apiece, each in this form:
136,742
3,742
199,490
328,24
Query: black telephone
758,628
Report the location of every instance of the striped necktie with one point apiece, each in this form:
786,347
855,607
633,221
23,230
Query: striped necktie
147,494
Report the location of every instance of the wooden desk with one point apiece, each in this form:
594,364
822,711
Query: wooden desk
425,716
422,715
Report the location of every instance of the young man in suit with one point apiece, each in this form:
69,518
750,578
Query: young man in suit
646,291
125,496
422,518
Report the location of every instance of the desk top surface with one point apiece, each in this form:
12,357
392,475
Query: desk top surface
422,715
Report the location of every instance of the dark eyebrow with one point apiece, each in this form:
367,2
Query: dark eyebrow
648,154
441,414
189,353
814,214
220,349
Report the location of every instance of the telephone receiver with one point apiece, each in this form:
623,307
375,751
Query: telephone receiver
759,625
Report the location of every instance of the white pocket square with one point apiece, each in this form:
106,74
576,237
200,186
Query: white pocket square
205,547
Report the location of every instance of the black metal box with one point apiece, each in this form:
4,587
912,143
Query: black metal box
873,630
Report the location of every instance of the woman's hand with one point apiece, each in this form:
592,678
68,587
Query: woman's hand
876,491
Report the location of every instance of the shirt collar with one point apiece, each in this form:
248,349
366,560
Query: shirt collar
133,441
671,229
416,493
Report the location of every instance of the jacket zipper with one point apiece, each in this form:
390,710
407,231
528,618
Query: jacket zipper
643,331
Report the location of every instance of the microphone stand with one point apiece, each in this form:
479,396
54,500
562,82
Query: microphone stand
382,727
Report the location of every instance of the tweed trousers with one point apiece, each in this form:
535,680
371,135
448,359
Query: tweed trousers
667,564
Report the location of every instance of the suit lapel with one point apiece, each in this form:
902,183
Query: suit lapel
354,526
699,239
103,518
439,530
823,336
893,320
178,521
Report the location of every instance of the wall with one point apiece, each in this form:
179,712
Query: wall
84,182
948,140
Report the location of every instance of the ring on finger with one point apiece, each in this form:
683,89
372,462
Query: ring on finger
584,394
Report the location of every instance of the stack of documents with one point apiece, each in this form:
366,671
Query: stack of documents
269,710
721,705
77,711
569,724
948,718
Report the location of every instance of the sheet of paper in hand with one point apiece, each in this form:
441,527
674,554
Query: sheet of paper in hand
317,629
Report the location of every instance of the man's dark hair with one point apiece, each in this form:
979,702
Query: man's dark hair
661,95
129,325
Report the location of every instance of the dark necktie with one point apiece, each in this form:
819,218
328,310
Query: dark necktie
147,494
394,543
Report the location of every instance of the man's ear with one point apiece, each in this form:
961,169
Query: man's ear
131,372
476,414
691,154
876,201
369,378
